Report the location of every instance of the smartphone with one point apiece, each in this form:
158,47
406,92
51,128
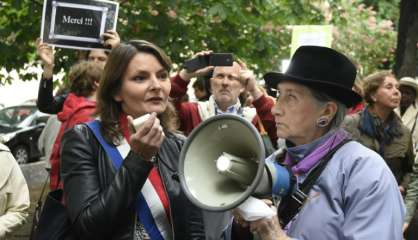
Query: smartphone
196,63
221,59
212,59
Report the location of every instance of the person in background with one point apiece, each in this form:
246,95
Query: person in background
120,181
380,129
358,107
246,98
79,106
48,103
410,227
201,88
226,84
14,194
408,110
49,133
355,195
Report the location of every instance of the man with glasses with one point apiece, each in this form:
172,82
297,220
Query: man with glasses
226,84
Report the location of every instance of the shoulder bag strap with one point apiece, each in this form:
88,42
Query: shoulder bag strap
316,172
291,205
38,209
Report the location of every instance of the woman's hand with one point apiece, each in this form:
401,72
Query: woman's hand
46,54
186,76
111,39
268,229
146,141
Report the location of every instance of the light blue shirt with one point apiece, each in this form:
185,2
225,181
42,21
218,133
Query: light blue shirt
356,197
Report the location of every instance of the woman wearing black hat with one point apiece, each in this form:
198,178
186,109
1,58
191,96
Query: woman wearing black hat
343,190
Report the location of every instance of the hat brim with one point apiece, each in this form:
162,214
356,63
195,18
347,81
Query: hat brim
346,96
409,84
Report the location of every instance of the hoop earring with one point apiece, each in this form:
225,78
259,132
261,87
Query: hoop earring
322,122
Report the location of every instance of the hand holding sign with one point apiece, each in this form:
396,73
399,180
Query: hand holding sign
46,54
111,39
80,24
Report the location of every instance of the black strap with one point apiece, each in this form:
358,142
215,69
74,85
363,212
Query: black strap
316,172
292,204
44,185
38,208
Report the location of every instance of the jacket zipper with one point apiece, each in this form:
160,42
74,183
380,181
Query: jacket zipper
135,223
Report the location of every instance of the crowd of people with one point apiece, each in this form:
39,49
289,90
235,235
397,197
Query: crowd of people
351,149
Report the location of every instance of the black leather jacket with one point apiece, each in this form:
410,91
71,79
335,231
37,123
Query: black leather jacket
101,200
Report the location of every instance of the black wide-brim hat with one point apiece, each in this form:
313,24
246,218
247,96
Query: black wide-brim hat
322,69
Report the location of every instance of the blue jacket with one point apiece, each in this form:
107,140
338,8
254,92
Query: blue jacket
356,197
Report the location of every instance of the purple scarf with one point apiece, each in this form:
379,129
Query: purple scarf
315,155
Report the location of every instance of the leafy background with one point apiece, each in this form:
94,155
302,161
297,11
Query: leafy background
257,31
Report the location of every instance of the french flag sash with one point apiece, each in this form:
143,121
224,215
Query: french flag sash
152,203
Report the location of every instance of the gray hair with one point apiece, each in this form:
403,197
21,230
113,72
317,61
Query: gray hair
323,99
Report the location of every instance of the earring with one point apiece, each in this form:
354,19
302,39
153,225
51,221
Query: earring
322,122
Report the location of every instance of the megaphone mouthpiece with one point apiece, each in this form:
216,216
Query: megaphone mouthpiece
237,168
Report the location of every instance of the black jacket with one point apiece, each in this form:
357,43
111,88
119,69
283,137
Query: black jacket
101,200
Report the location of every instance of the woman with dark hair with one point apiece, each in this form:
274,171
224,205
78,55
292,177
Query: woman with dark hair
113,172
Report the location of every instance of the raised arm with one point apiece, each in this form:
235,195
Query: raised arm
182,79
262,103
47,103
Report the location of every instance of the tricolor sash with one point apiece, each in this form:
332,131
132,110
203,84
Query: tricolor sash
151,200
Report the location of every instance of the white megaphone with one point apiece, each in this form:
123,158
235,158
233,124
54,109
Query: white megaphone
222,164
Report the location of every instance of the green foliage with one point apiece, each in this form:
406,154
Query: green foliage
252,30
369,40
385,9
255,30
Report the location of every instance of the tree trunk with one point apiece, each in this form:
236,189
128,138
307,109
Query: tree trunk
406,50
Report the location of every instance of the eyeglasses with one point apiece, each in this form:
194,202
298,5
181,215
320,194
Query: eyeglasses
221,76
